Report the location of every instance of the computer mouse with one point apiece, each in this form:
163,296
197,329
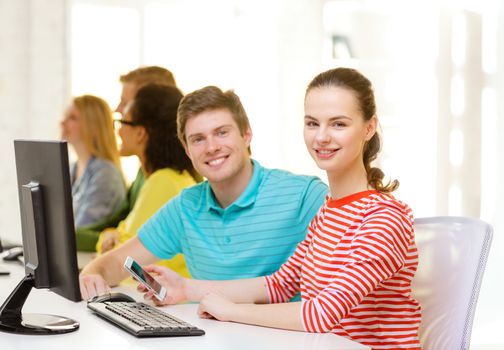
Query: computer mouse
13,254
112,296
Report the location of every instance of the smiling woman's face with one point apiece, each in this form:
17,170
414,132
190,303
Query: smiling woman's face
334,128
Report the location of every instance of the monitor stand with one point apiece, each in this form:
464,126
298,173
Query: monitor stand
13,321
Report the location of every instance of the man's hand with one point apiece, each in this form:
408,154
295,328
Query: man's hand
216,306
172,281
110,240
92,285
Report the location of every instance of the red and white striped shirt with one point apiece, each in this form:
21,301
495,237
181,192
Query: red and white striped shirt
354,271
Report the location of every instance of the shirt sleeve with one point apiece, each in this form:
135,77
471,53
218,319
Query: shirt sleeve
285,283
313,198
105,191
161,233
378,251
158,189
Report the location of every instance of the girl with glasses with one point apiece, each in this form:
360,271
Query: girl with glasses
148,130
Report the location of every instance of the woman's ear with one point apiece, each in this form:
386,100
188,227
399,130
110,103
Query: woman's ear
141,134
371,127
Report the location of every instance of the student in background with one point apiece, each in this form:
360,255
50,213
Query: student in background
97,183
87,236
148,130
355,267
244,221
134,80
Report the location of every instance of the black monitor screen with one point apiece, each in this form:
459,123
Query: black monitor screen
50,257
47,216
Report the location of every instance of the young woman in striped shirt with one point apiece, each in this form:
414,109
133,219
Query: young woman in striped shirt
355,267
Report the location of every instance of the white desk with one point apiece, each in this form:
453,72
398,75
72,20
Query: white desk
95,333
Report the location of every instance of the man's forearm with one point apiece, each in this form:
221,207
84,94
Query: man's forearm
110,264
108,267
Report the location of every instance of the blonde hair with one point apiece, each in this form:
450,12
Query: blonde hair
97,128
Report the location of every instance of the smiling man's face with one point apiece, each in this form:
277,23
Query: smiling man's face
216,147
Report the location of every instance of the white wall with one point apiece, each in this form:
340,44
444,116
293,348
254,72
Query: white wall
252,47
33,87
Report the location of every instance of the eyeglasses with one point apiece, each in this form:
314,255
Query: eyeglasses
119,122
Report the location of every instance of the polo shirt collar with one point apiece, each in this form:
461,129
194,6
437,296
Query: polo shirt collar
248,196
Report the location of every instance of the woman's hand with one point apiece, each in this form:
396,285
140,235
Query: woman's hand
216,306
110,240
282,315
172,281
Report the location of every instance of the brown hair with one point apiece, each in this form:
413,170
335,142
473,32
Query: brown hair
210,98
97,127
148,75
155,108
354,81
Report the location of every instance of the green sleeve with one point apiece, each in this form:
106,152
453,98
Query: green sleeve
87,236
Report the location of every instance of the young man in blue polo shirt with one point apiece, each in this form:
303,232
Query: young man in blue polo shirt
244,221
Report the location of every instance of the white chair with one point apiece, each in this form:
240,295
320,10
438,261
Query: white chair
452,255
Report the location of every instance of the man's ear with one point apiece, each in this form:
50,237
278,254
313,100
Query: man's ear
186,149
372,125
247,135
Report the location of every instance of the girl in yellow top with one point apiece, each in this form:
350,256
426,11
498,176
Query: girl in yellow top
148,130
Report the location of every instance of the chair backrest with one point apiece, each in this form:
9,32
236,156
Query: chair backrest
452,256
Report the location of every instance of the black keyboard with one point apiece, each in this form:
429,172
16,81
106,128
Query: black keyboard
143,320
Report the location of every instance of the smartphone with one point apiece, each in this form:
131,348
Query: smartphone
145,278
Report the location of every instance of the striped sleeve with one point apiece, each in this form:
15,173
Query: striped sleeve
377,252
284,284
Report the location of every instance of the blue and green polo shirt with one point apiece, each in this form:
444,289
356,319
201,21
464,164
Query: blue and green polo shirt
252,237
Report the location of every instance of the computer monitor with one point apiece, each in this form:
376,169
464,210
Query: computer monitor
47,224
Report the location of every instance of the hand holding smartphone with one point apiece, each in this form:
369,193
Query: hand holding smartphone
144,278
